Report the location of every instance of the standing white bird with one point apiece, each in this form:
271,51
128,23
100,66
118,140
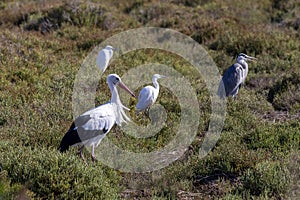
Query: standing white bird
148,94
234,76
90,127
104,57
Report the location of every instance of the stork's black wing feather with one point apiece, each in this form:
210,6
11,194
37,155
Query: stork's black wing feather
70,138
77,134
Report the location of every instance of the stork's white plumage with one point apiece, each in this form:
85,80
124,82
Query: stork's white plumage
90,127
234,76
104,57
148,94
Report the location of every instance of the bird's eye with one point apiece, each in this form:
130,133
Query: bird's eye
117,80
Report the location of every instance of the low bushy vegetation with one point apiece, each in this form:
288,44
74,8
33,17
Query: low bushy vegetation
42,45
54,176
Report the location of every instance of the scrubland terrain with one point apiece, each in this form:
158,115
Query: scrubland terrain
42,45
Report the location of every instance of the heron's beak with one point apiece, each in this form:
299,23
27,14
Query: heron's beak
116,49
124,87
251,58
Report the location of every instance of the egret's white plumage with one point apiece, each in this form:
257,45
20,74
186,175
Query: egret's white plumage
90,127
148,94
104,57
234,76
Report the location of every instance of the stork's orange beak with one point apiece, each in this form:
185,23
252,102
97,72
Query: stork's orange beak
124,87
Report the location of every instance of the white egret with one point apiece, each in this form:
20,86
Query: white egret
148,95
90,127
104,57
234,76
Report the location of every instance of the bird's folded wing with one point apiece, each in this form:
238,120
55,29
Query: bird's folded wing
232,78
102,60
95,122
145,98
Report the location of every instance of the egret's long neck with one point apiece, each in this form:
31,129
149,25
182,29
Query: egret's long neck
155,84
110,54
119,107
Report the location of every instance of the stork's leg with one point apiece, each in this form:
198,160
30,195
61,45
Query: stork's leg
93,153
80,152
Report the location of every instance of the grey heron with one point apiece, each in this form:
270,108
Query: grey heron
148,94
90,128
234,76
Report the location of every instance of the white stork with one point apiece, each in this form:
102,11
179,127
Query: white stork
104,57
148,95
89,128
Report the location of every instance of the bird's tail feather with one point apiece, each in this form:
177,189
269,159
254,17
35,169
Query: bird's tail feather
70,138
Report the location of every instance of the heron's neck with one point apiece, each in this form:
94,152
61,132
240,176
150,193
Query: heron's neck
243,63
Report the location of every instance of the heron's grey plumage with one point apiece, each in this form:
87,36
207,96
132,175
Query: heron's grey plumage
234,77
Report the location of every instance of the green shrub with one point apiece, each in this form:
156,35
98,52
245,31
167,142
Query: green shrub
278,139
286,13
267,177
37,79
285,94
52,175
9,190
229,157
249,42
